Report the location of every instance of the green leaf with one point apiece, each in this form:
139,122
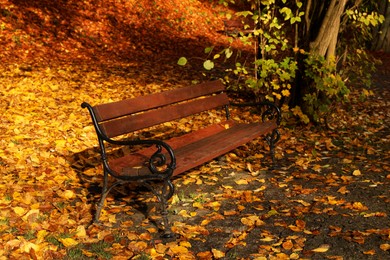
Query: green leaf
208,49
208,65
182,61
228,53
287,12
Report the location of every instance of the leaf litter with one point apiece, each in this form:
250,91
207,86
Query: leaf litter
327,197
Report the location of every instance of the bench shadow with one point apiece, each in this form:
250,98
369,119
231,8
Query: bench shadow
87,164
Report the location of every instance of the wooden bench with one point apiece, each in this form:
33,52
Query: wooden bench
153,162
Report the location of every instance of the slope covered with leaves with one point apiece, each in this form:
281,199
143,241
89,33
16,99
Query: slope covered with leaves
328,196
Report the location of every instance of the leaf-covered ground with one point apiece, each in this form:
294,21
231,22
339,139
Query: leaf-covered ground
327,198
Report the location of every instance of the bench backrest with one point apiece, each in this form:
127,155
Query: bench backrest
122,117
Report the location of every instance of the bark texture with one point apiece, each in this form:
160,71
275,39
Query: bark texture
382,36
326,40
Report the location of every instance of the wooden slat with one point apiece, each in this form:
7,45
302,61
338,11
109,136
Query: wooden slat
199,147
198,153
142,156
135,122
129,106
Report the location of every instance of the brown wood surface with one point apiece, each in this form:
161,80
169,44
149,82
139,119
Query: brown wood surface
129,106
135,122
198,147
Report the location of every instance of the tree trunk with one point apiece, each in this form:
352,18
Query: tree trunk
326,40
382,37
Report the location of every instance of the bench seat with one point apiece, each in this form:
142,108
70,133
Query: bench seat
195,148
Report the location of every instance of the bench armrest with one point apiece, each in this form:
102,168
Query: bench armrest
272,111
164,155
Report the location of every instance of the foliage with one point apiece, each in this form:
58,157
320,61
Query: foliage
275,78
271,28
356,63
328,88
271,76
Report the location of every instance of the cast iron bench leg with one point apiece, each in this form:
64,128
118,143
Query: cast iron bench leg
167,191
271,139
103,196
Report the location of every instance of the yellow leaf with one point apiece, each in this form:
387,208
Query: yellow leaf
323,248
179,249
87,253
356,173
197,205
359,206
68,194
215,205
112,218
68,242
184,213
41,234
217,253
205,222
185,243
175,199
242,182
249,167
80,232
285,92
27,246
34,158
32,214
267,239
60,144
19,211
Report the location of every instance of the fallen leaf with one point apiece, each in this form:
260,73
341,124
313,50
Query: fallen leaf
68,242
322,249
217,253
287,245
369,252
385,247
204,255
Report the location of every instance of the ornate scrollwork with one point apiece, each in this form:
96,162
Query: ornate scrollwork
272,112
158,163
273,137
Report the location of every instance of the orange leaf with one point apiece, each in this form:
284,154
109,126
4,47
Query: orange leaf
385,247
369,252
287,245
